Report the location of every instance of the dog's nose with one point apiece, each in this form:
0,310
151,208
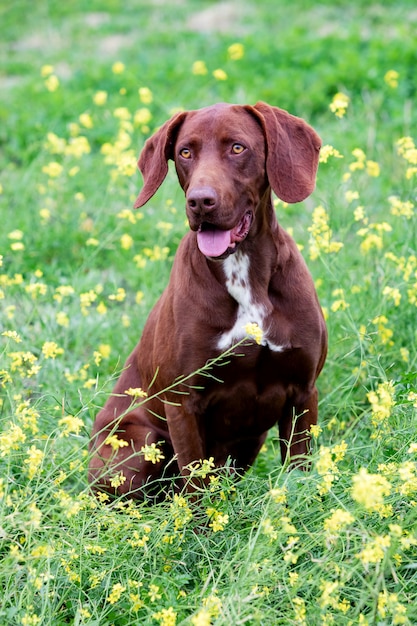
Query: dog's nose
202,200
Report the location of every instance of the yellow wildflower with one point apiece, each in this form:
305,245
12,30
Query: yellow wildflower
407,149
360,157
181,512
369,490
401,209
33,461
118,67
370,241
115,593
218,520
63,291
392,293
199,68
36,289
202,467
391,78
24,363
268,529
339,104
202,618
46,70
86,300
164,227
17,246
300,611
136,392
77,147
381,401
35,514
235,51
30,619
100,98
373,169
328,151
329,594
27,416
142,116
53,169
388,604
253,330
340,304
213,604
126,241
86,120
156,253
118,480
315,430
337,521
101,308
405,354
52,83
128,215
55,144
15,235
145,95
152,453
62,319
123,114
321,235
153,593
375,550
70,424
327,465
51,350
279,495
115,442
105,350
136,602
166,617
140,261
220,74
351,195
12,334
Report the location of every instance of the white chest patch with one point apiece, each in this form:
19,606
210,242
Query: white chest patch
236,269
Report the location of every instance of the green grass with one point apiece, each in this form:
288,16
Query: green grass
335,546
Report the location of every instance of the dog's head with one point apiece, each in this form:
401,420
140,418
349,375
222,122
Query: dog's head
227,157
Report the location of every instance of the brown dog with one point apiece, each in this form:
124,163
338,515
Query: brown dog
235,266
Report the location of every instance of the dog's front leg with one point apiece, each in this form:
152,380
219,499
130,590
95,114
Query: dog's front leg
187,442
294,430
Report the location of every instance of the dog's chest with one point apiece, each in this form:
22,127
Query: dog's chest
250,310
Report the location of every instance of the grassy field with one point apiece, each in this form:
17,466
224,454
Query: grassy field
83,85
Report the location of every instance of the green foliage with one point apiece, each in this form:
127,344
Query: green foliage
80,271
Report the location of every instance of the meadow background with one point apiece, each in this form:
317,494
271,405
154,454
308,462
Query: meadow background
83,84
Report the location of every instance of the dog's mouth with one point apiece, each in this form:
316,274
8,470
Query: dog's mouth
216,243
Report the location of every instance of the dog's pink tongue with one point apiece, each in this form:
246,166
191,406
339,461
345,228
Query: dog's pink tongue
213,241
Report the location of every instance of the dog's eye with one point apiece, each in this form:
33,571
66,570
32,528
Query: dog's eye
185,153
237,148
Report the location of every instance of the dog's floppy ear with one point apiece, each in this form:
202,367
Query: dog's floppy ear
292,152
153,160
